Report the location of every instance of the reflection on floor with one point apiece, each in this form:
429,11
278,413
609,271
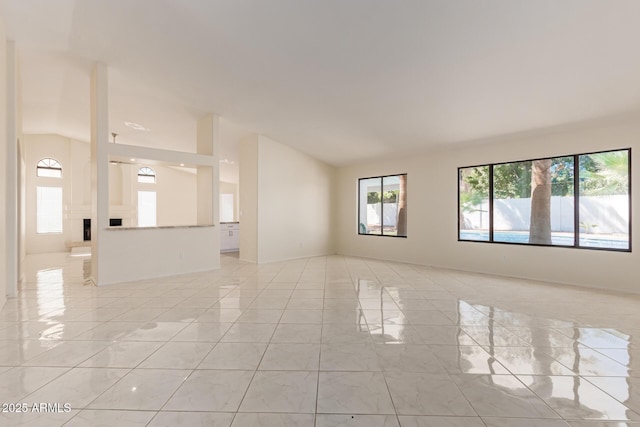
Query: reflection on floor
316,342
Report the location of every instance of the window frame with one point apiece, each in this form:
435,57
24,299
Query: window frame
381,234
576,203
147,175
48,167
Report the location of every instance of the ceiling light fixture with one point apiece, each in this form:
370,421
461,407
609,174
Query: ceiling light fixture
136,126
132,160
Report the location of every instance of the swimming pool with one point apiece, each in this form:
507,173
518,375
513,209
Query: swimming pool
557,239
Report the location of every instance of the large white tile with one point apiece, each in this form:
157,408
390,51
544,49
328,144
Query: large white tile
244,356
68,353
302,316
249,332
426,394
122,354
523,422
348,357
178,355
155,331
467,360
291,357
260,316
208,419
17,352
502,396
297,333
203,332
19,382
407,358
353,393
435,421
79,386
281,391
356,420
273,420
102,418
210,390
141,389
576,398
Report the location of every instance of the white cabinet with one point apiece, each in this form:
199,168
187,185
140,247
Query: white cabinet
229,236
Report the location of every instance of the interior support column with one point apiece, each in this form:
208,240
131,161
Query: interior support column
208,178
99,164
11,196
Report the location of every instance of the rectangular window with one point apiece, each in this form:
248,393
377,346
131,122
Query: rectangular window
549,202
146,208
382,205
226,207
49,210
605,203
473,214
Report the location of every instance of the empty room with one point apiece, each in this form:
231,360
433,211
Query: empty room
306,213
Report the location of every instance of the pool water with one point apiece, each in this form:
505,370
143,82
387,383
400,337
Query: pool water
557,239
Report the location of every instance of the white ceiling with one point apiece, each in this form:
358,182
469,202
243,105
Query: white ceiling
341,80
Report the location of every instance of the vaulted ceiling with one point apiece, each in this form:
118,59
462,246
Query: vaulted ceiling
340,80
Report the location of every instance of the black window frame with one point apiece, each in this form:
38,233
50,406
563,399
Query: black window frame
576,203
381,234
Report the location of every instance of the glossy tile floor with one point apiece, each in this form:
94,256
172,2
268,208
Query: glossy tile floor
327,341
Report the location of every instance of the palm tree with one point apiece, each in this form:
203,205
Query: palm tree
540,223
402,207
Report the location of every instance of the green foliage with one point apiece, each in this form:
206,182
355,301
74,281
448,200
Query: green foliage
391,196
512,180
604,173
388,197
600,174
373,197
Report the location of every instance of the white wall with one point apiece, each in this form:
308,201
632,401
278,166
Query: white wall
432,212
294,203
285,202
3,162
157,252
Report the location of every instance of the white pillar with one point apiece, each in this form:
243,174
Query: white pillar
3,161
208,177
208,180
99,164
11,195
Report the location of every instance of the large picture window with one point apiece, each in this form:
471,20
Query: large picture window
382,205
581,201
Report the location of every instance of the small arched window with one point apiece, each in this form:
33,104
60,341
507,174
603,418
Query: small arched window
147,175
49,168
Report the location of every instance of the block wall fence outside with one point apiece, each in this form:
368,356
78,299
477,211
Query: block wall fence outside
606,214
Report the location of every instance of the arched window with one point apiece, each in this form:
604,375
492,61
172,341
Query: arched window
49,168
147,175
